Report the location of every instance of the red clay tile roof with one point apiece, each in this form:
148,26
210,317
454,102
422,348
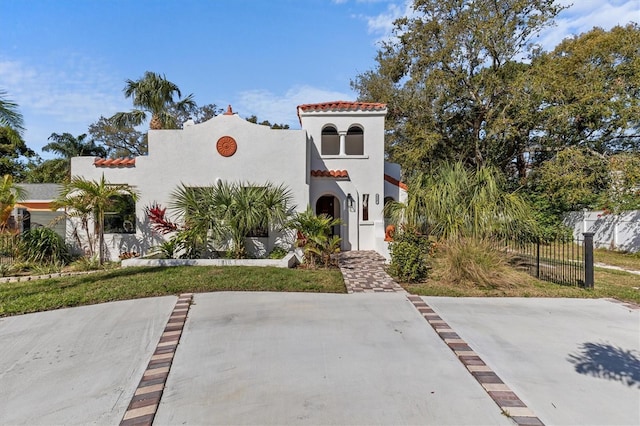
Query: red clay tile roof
114,162
330,173
396,182
343,106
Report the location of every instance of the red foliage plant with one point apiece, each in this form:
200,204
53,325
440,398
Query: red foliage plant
159,222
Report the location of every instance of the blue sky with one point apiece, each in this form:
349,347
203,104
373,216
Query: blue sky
65,61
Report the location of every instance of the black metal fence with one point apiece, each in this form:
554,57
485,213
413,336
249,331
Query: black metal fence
566,262
8,243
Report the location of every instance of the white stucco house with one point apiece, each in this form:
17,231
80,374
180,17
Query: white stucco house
335,163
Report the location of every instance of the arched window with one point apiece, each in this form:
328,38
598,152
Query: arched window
354,144
330,144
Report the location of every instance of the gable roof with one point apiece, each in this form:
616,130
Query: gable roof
41,191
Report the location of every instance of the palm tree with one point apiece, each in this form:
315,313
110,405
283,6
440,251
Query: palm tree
9,114
68,146
10,194
153,94
94,196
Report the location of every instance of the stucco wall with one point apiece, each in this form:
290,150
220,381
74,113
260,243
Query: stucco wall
190,157
366,172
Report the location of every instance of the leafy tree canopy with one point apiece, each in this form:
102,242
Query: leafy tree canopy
121,141
13,152
254,119
589,89
452,82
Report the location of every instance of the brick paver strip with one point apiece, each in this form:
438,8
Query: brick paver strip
501,394
363,272
146,398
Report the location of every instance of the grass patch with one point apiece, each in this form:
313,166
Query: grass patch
135,283
608,284
616,258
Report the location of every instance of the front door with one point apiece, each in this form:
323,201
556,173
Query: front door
329,205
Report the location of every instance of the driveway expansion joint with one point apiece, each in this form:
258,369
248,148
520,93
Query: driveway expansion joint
146,398
510,404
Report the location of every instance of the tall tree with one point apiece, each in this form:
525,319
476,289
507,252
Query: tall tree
448,79
68,146
152,94
10,194
254,119
96,197
199,114
589,87
13,152
9,114
54,170
121,141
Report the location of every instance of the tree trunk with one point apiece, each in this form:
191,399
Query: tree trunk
155,123
101,238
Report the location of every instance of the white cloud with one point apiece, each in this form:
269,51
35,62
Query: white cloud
583,15
65,95
282,108
382,24
580,17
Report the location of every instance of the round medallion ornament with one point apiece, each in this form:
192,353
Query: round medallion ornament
226,146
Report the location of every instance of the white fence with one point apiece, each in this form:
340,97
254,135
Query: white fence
611,231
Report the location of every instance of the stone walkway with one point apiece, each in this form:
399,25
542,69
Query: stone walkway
364,272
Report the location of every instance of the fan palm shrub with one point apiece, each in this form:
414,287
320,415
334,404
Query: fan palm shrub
457,207
315,239
227,213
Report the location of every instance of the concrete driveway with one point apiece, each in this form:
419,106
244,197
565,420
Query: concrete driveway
289,358
77,366
572,361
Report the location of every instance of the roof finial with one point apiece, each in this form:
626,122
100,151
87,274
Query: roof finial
229,111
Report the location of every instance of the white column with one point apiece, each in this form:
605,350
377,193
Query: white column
343,142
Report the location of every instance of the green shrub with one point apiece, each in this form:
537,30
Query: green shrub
278,253
87,263
6,269
409,256
43,245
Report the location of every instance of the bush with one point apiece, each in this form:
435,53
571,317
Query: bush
409,256
278,253
43,245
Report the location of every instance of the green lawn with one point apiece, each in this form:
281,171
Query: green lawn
615,258
134,283
608,284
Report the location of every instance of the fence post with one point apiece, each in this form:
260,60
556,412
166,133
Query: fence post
538,258
588,259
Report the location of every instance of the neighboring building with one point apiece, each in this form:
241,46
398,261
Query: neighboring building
36,210
335,164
